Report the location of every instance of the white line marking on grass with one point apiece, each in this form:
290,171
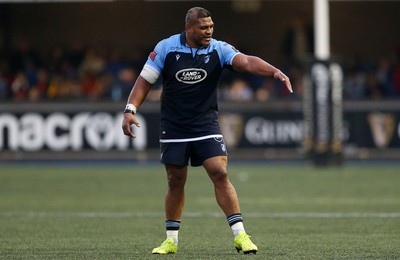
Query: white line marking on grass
326,215
32,215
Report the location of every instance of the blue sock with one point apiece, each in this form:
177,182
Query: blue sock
234,218
236,223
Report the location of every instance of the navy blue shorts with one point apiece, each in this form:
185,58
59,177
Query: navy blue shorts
194,151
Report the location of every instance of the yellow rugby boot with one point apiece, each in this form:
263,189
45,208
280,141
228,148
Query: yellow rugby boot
167,247
242,242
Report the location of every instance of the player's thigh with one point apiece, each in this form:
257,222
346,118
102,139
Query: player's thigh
175,153
206,149
217,164
176,174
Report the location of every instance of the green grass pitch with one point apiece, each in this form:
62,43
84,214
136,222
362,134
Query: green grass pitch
116,212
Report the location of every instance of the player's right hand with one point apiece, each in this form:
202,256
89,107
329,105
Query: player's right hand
129,120
285,79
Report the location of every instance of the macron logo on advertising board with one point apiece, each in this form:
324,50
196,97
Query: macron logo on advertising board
60,132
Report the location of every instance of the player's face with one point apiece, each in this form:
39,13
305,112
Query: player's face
201,32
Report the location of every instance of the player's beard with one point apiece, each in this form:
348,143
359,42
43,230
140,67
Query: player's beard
205,41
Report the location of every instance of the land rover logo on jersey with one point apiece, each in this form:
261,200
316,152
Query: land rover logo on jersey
191,76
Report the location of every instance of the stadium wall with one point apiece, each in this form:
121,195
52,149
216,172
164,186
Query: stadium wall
273,130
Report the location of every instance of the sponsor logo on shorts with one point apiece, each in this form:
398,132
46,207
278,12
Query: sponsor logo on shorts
218,139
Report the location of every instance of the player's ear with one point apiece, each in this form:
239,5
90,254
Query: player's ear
188,27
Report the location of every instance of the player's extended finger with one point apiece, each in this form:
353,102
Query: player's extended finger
289,85
285,79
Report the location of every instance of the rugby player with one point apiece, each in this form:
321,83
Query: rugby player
190,64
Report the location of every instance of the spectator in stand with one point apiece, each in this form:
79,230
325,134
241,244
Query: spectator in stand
38,91
20,87
3,88
354,85
76,53
69,89
90,71
23,58
374,90
115,63
26,76
396,81
122,85
384,74
266,91
240,91
56,59
54,87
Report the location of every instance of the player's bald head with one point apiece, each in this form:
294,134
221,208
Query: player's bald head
195,13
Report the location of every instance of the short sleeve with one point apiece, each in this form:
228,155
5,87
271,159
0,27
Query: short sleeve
156,58
226,53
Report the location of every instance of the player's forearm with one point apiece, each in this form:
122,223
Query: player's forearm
260,67
139,92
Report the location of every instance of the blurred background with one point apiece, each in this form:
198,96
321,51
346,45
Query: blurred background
67,67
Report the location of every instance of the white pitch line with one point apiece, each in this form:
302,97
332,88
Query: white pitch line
337,215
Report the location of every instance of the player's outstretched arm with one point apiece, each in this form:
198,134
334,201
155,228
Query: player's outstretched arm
258,66
136,97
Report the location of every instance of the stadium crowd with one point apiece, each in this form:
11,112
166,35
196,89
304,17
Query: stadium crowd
84,73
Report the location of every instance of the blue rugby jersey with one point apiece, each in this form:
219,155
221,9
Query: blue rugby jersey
189,109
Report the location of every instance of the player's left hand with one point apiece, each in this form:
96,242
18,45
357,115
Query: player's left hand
285,79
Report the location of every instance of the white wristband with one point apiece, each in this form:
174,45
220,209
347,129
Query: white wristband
130,108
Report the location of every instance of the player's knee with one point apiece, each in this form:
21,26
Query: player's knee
176,181
218,175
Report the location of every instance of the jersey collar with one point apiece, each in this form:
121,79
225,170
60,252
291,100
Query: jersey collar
183,38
